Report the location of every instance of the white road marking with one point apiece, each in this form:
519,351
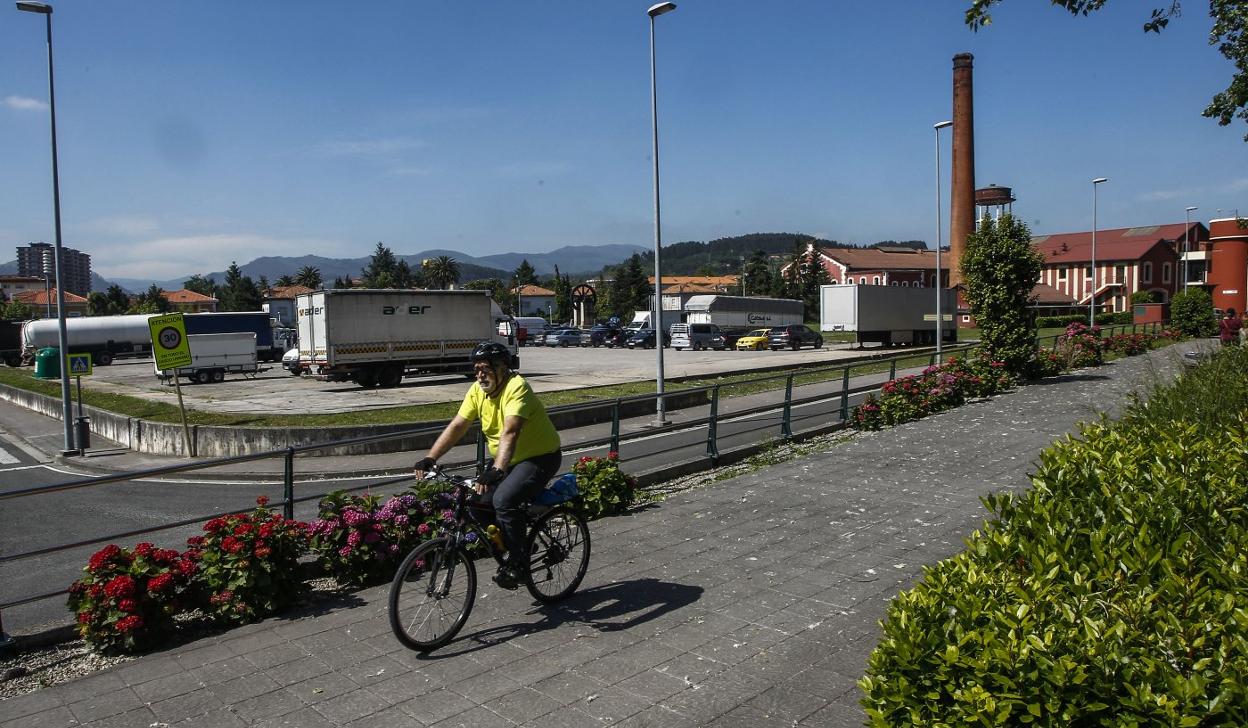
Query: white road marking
7,458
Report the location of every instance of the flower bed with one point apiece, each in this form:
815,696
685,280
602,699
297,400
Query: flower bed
938,388
605,489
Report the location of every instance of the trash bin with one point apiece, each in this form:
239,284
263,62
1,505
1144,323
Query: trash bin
48,363
82,433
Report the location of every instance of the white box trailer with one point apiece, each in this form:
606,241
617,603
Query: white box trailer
887,314
641,319
740,313
215,355
378,336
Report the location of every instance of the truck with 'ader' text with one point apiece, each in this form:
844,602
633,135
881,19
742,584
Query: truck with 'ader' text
375,337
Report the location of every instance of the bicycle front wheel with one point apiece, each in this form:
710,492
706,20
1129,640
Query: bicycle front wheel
558,554
432,595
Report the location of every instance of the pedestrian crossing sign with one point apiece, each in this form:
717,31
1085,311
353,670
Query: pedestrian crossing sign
78,365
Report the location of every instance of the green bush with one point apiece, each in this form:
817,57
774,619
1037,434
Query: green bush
1191,312
1113,593
604,488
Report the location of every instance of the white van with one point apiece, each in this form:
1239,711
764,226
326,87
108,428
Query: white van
534,327
697,336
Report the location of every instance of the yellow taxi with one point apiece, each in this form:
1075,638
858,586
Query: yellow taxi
756,340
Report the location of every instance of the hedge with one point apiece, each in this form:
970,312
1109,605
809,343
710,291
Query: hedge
1113,592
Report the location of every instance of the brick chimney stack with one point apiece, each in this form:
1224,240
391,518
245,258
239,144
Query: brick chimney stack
962,195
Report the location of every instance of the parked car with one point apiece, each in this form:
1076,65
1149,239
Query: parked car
564,337
290,362
756,340
697,336
604,335
644,339
793,337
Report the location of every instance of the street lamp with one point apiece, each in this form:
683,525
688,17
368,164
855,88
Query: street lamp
939,330
1187,219
1092,295
659,412
66,410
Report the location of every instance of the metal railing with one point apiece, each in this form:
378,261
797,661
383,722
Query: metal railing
612,441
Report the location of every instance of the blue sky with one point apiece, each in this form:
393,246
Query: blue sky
195,133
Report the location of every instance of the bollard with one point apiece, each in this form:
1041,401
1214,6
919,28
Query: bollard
288,485
615,426
845,396
82,434
712,451
786,425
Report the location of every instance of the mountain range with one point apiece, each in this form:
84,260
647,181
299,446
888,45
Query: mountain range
573,259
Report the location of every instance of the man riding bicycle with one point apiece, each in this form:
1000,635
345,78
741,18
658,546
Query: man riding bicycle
521,438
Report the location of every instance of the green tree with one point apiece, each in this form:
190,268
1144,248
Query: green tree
284,281
441,272
238,292
811,276
150,301
757,274
1229,34
562,286
309,276
118,300
342,282
1145,297
404,276
264,286
379,273
1191,311
999,270
201,285
497,289
97,304
18,311
524,274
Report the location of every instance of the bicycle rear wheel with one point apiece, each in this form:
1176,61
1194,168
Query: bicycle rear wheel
432,595
558,554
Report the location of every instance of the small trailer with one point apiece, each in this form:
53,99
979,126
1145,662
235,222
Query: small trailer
215,355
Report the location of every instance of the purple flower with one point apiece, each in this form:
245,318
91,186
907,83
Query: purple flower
401,520
470,537
353,538
344,551
354,517
393,548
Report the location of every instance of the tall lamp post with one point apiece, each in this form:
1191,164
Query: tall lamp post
939,288
67,412
1092,295
1187,231
660,410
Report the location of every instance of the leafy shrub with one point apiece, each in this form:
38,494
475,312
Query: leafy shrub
999,268
249,563
605,489
360,539
1046,363
1191,311
126,601
1128,344
1055,322
1114,592
938,388
1080,346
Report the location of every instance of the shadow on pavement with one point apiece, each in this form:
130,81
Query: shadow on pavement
608,608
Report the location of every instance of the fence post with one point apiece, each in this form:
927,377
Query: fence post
288,485
712,449
615,426
480,451
892,369
845,395
786,424
931,360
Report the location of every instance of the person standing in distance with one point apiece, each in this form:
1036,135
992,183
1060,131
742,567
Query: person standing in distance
1229,327
523,441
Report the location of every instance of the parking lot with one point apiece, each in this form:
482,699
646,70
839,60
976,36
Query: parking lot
276,391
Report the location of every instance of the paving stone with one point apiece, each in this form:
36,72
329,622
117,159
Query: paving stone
51,718
242,688
39,701
129,719
275,654
569,687
269,705
437,706
170,686
390,717
350,706
655,716
187,705
223,670
220,718
103,706
786,702
202,653
400,688
302,718
523,705
82,688
565,718
478,717
747,717
653,685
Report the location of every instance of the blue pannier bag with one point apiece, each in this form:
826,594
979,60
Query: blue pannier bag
561,489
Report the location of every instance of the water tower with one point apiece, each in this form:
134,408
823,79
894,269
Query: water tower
992,202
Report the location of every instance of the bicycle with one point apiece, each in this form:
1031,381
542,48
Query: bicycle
435,587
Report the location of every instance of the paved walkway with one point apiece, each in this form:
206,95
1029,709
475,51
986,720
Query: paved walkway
753,602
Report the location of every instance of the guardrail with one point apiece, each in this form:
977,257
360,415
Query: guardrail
613,441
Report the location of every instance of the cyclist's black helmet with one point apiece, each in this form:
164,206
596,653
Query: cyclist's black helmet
492,353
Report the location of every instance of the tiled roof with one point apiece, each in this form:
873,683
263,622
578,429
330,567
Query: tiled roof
529,289
699,280
187,296
1047,295
693,288
21,279
283,292
43,298
1113,244
860,259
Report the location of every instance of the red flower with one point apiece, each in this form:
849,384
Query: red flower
159,583
195,541
263,551
266,530
231,545
144,549
262,500
212,526
242,529
96,591
103,556
221,597
128,605
187,567
613,455
130,623
84,618
119,586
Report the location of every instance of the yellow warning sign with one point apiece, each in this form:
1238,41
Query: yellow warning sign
169,345
78,365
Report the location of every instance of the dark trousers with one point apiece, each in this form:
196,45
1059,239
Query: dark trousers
511,496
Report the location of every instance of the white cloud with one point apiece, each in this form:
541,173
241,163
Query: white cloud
367,147
122,226
164,258
23,103
412,171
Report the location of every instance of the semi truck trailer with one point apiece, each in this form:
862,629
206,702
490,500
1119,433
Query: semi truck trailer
376,337
887,314
11,343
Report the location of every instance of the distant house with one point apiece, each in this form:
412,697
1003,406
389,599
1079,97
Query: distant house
188,301
535,300
279,302
11,285
881,266
43,303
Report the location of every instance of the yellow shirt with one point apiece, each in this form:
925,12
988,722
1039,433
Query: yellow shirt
538,435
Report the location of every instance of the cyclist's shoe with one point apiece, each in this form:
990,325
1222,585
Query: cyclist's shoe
508,578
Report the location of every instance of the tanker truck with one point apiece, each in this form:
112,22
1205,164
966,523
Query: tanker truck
104,337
